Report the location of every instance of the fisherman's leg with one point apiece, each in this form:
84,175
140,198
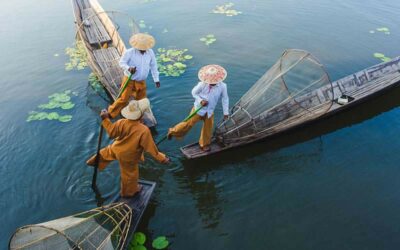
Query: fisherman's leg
206,132
129,178
106,157
115,108
140,90
181,129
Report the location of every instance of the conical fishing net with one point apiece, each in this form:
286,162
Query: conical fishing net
101,228
296,89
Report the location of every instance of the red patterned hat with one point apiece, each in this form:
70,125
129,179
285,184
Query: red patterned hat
212,74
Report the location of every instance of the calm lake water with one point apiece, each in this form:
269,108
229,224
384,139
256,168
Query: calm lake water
332,186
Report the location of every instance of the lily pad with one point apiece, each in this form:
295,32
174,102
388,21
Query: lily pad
165,30
383,29
139,238
142,24
77,57
208,39
379,55
65,118
171,62
51,105
67,105
160,242
226,9
137,247
53,116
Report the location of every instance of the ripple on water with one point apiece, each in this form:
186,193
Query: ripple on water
79,188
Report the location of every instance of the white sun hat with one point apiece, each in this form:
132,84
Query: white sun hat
212,74
135,109
142,41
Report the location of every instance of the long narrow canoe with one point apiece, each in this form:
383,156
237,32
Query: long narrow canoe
360,87
104,47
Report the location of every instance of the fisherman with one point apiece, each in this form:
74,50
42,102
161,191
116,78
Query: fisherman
206,94
132,139
137,61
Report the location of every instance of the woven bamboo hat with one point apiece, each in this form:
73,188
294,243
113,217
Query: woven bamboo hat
212,74
135,109
142,41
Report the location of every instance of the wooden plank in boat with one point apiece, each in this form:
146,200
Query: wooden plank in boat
138,204
108,60
94,28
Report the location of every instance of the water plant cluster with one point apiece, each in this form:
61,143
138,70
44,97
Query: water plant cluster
382,57
61,101
208,39
226,10
77,57
171,62
384,30
139,238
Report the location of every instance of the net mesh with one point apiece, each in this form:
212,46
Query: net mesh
101,228
296,88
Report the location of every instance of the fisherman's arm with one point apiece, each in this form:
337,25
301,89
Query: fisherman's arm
154,69
196,94
147,143
112,129
123,62
225,102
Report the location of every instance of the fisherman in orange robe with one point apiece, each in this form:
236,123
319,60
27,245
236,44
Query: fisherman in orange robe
138,61
132,139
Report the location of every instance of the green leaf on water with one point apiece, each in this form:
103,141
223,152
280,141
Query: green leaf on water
67,105
77,56
53,116
379,55
139,238
386,59
171,62
160,242
203,39
383,29
138,247
65,118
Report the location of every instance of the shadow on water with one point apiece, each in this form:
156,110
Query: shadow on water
359,113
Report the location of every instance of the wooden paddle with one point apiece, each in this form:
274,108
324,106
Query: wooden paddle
97,159
186,119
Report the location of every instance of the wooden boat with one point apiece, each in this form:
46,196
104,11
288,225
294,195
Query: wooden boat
103,45
297,110
107,227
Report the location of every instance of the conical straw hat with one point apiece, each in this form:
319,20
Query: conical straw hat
142,41
212,74
135,109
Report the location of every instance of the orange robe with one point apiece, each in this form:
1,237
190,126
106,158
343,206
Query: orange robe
132,139
136,89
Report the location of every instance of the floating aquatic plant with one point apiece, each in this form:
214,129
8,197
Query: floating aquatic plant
165,30
226,9
138,240
171,62
56,55
382,29
142,24
382,57
160,242
60,100
208,39
77,57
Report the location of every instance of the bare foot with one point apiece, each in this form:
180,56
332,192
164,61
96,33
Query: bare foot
205,148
